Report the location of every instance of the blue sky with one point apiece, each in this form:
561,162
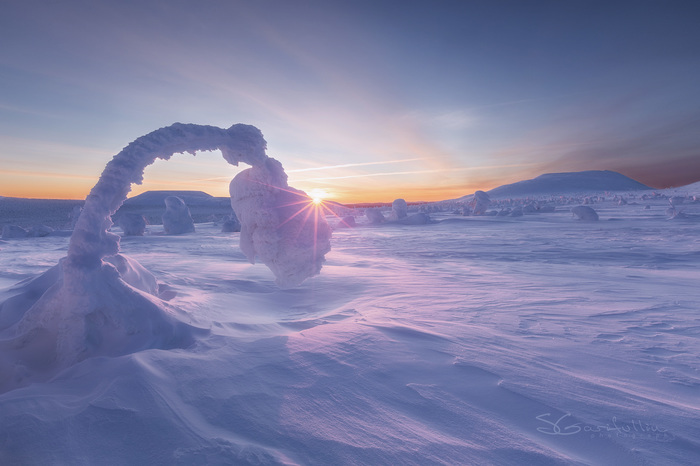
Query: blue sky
368,100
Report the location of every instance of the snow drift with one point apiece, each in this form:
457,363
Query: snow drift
98,303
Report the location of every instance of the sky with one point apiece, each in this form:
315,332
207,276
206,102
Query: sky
362,101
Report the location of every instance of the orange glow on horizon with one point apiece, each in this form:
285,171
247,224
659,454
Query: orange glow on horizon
30,188
24,184
71,189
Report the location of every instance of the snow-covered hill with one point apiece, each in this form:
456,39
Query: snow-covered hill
571,182
152,198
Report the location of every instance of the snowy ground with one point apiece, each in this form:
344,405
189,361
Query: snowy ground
490,340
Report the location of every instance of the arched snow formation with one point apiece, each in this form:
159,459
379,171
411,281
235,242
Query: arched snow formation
96,302
91,240
266,205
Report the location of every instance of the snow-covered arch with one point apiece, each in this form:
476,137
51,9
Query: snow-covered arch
96,302
292,245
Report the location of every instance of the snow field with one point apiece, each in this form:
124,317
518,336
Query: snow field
537,340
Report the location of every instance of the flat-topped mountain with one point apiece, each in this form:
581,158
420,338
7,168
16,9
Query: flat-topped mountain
571,182
151,198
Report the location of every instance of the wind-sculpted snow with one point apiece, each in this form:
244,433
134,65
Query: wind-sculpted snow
98,303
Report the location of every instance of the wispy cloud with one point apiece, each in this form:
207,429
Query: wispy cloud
352,165
416,172
44,174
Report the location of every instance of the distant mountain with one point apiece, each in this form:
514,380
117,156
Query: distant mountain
572,182
191,198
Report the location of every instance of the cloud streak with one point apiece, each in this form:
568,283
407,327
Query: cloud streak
352,165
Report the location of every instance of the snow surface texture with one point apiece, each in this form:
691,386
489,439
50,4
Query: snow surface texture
474,340
98,303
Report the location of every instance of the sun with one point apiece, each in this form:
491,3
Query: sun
317,195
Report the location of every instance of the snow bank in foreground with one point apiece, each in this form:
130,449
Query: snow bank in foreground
95,303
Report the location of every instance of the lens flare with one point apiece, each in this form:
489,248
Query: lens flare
317,195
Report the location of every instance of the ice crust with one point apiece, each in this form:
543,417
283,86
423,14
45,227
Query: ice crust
96,302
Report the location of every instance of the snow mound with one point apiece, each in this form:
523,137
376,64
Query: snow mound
177,219
571,182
